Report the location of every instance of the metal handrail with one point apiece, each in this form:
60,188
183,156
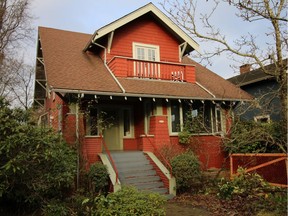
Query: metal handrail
110,158
163,158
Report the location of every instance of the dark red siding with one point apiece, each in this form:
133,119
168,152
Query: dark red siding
144,30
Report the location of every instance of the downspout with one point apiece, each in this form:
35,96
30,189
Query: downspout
77,140
105,63
205,89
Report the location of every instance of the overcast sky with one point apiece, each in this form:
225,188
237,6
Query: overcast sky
88,15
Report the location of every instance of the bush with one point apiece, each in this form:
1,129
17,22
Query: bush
242,185
35,164
255,137
55,208
186,169
184,137
127,201
99,177
254,194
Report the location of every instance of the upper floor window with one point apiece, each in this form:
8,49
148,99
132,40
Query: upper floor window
146,52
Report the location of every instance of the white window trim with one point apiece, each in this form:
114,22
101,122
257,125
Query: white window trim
156,47
170,120
258,118
222,119
131,135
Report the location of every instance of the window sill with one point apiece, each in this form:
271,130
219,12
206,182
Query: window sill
148,135
200,134
92,136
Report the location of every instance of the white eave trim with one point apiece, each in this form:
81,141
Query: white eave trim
138,13
121,94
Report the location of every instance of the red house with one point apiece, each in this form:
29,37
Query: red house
132,81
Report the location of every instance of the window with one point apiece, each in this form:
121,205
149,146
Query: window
200,117
145,52
262,119
146,67
127,123
91,122
217,127
150,110
60,111
175,116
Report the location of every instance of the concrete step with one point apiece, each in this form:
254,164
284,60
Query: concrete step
136,170
138,173
142,179
148,185
132,165
162,191
127,156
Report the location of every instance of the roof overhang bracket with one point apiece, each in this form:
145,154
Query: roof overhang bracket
41,84
110,39
41,60
40,104
182,48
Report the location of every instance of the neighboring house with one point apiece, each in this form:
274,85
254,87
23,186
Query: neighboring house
264,88
133,78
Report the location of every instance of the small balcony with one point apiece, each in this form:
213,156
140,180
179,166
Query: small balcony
128,67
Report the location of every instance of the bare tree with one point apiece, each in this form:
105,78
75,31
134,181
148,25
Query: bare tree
14,24
15,31
22,88
246,48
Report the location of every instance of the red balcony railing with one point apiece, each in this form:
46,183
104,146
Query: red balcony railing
127,67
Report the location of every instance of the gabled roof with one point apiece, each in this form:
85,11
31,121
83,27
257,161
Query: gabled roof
249,78
158,14
254,76
69,69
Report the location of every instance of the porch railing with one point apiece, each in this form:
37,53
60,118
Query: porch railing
168,165
129,67
110,158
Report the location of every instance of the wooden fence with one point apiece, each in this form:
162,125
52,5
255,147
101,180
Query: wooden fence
272,167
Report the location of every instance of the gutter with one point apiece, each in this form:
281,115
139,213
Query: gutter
123,94
105,63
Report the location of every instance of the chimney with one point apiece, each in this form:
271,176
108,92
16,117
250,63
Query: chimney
245,68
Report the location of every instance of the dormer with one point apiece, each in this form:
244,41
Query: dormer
144,44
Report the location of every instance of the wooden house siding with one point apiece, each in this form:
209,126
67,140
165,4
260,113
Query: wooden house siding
144,30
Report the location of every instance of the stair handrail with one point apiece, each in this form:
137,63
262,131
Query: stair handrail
110,158
161,155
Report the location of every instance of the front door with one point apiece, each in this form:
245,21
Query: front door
112,136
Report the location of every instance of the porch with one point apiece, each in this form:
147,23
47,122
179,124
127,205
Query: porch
147,125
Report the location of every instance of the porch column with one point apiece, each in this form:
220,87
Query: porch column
159,128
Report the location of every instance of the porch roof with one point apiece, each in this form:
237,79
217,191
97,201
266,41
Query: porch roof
68,69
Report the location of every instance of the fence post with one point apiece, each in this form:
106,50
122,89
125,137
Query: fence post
286,162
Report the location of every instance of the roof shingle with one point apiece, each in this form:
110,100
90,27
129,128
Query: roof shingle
69,68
